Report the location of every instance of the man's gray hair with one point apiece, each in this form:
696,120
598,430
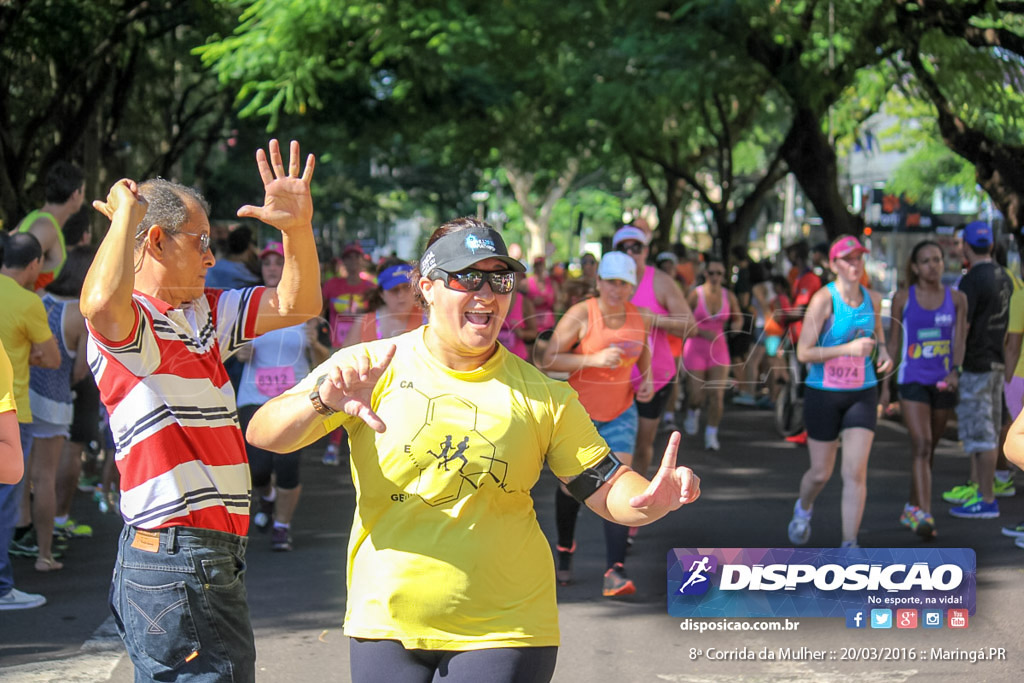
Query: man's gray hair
167,205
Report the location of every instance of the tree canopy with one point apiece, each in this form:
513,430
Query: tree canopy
109,85
702,105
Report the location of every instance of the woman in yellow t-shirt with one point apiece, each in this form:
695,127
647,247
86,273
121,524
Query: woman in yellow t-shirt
448,569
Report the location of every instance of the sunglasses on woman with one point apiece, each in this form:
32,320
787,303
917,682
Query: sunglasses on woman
631,247
472,280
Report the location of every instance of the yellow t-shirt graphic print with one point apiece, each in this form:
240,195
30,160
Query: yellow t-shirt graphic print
445,551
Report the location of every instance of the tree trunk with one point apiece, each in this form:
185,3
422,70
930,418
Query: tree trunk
998,165
10,206
537,216
1000,170
662,238
812,160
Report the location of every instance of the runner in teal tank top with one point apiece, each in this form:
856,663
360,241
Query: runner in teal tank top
842,332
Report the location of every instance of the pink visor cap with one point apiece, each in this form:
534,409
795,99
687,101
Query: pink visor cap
845,246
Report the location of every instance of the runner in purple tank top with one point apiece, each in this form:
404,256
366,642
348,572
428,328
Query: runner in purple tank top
928,333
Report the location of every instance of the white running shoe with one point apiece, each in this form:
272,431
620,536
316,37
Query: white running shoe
711,442
692,422
17,599
799,528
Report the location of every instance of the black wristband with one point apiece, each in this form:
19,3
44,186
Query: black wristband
593,478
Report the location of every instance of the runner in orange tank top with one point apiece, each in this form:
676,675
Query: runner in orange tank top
599,341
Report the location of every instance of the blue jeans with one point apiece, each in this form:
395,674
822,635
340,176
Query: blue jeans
10,496
178,597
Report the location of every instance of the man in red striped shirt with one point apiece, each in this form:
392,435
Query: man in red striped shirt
157,344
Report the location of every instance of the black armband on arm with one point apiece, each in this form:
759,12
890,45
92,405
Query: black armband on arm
593,478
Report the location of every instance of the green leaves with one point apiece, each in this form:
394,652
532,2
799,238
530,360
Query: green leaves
704,92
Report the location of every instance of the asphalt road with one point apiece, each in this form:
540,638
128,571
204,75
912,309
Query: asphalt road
297,599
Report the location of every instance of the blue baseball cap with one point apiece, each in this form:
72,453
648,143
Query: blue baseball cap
393,276
978,234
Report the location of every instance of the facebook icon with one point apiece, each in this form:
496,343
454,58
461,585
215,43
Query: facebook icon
855,618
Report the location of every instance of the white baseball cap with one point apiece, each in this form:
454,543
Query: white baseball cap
617,266
666,256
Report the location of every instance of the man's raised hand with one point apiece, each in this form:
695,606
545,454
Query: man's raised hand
123,194
287,203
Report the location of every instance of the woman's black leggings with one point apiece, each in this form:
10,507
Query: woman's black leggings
387,661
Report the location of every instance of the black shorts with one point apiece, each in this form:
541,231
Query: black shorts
264,463
827,413
85,424
739,343
927,393
653,409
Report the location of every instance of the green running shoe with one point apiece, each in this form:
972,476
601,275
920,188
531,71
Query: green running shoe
961,494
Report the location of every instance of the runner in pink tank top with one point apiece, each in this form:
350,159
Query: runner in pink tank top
543,292
657,292
700,352
706,354
663,365
519,327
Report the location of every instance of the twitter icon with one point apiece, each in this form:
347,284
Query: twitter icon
881,618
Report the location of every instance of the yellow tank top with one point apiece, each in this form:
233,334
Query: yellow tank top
46,277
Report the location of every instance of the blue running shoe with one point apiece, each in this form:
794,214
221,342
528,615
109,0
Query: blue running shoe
976,508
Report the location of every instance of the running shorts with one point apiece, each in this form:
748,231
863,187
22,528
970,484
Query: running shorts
620,432
927,393
980,410
653,409
827,413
